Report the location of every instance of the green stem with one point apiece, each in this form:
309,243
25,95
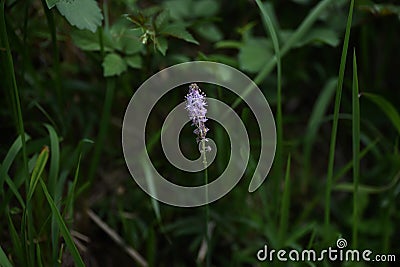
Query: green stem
14,89
278,165
356,151
285,206
105,118
207,208
20,128
56,57
104,122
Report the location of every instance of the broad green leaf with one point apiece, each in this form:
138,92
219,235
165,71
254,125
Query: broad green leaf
89,41
84,14
113,64
129,43
37,171
178,9
125,39
254,54
151,11
210,32
178,31
387,107
134,61
205,8
162,45
51,3
162,19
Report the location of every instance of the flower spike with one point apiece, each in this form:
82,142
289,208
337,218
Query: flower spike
196,105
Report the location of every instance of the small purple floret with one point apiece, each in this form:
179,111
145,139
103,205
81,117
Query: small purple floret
196,106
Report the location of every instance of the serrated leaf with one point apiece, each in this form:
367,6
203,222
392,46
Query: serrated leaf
134,61
89,41
254,54
84,14
128,42
178,31
51,3
162,45
151,11
124,38
113,65
162,19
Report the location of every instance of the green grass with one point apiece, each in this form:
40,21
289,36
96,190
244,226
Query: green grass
3,259
285,206
9,65
338,97
277,169
356,152
63,227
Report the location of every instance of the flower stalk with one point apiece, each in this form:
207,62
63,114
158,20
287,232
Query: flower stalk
196,105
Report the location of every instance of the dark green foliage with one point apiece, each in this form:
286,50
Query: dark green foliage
68,69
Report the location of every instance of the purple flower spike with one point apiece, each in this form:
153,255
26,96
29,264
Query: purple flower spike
196,106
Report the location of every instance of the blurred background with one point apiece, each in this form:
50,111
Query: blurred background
68,70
